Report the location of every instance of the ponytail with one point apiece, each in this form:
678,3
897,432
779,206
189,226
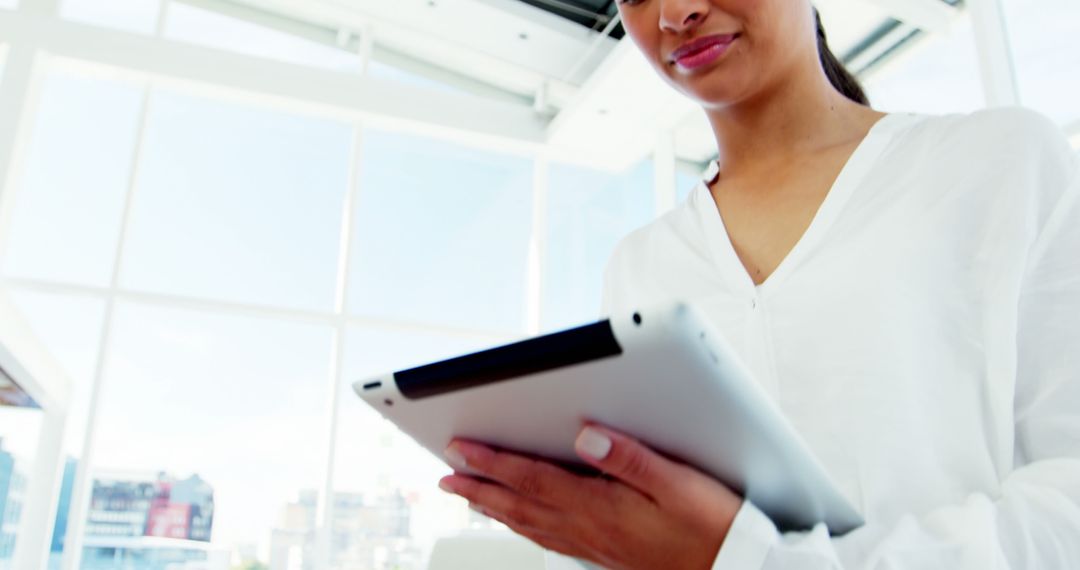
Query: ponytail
838,75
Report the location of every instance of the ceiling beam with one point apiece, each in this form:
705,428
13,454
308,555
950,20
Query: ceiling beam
342,93
928,15
353,42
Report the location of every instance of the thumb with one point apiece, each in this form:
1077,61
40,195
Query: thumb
628,460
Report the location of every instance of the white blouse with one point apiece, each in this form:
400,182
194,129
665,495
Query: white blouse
923,336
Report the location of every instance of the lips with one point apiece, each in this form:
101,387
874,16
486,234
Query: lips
702,51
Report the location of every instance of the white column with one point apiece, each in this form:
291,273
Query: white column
537,246
995,54
34,540
665,185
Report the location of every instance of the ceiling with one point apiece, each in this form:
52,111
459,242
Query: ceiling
593,14
563,58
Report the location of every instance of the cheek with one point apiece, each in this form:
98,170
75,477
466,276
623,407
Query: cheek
644,30
643,27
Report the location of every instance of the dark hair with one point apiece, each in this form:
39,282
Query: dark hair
838,75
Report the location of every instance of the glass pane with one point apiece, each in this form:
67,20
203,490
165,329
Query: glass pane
938,74
138,16
238,203
226,411
70,328
686,181
1046,48
68,208
443,234
203,27
19,429
588,213
378,467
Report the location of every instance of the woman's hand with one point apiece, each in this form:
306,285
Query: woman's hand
653,512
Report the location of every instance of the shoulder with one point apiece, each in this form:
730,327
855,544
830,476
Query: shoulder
646,261
673,227
1009,134
1016,150
1004,168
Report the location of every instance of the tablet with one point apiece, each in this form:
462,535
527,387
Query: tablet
662,375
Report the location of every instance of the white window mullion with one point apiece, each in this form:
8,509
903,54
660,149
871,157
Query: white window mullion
19,96
325,510
83,484
995,54
537,254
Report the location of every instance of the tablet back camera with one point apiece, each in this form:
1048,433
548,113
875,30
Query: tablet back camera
637,319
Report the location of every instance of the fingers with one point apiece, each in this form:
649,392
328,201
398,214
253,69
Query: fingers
630,461
536,480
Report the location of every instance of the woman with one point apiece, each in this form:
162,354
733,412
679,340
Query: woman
907,288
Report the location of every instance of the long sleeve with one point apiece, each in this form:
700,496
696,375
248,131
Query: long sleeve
1034,521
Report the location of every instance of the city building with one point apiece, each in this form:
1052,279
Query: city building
162,507
12,490
159,523
366,534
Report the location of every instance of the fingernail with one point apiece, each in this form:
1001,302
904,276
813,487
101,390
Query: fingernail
455,458
446,486
593,443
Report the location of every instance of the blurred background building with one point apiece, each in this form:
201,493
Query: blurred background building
217,214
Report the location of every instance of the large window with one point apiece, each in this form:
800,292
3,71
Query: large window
588,213
68,204
238,203
938,73
69,326
237,402
1046,51
442,234
19,429
380,470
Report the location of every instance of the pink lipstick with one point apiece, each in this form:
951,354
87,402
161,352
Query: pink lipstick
702,51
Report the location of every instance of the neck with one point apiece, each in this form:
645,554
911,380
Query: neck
801,117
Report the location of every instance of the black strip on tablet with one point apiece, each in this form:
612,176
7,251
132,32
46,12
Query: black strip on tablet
556,350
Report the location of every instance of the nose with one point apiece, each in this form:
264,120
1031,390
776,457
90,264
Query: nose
681,16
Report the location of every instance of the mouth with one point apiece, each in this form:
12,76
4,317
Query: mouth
702,51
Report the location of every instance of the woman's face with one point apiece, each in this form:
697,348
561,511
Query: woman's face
721,52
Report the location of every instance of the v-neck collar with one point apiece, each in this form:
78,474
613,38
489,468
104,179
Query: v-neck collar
723,252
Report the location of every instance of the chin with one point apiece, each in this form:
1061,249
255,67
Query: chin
717,87
710,94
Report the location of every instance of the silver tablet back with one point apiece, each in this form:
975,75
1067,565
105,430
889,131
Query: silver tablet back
662,375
